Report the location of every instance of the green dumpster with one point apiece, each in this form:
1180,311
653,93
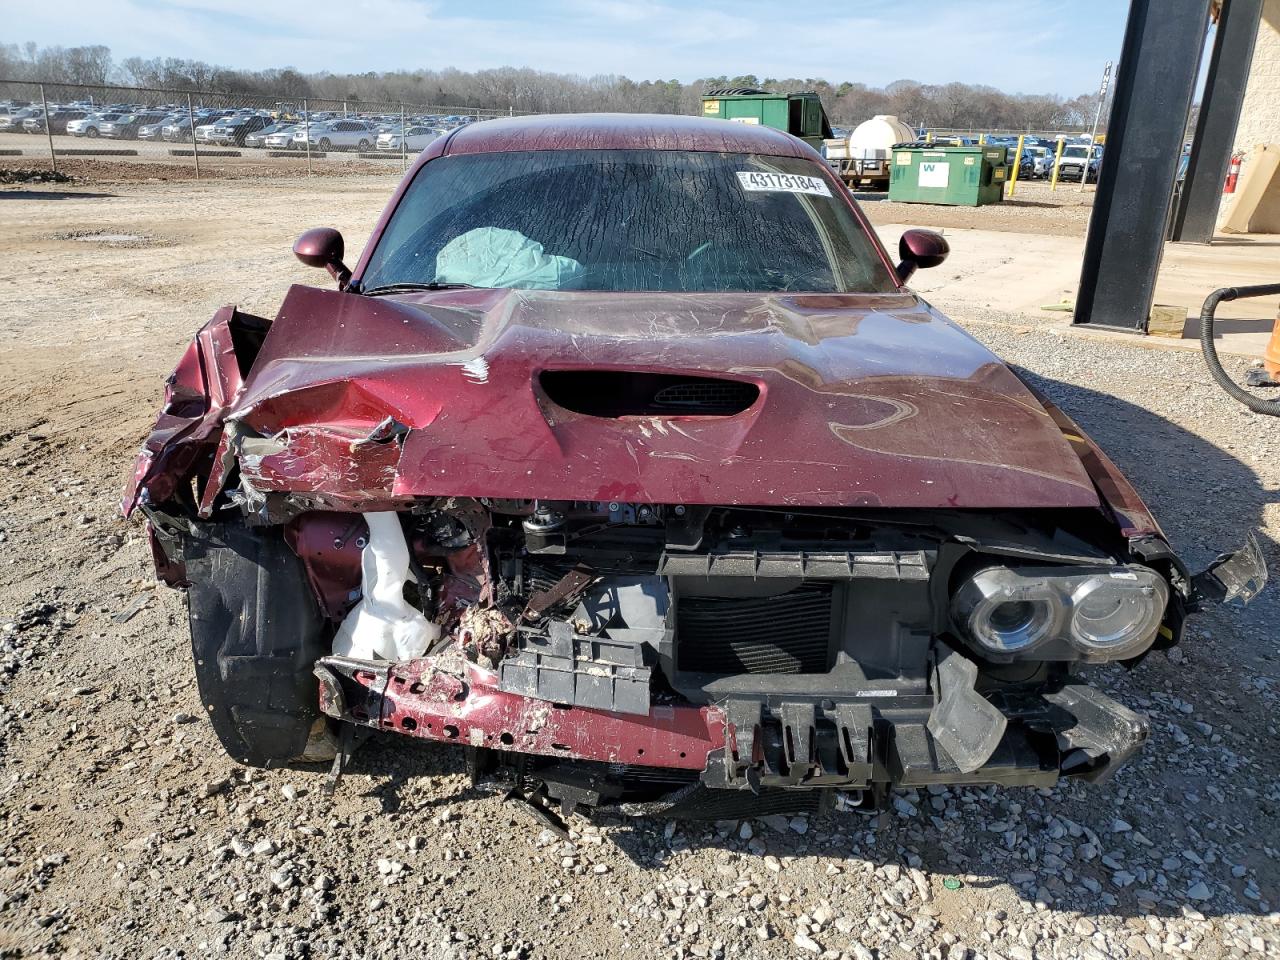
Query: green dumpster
799,114
958,176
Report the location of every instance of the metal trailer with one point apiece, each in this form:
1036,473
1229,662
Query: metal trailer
799,114
857,172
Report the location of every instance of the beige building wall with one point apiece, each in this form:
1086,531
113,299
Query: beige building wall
1260,113
1255,206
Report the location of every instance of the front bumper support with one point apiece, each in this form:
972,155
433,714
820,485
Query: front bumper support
743,744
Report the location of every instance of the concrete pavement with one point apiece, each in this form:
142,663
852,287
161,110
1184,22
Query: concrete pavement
1022,273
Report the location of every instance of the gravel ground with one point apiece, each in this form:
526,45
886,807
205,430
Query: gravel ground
127,833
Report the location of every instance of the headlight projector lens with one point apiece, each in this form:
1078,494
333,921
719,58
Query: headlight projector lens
1118,612
1062,613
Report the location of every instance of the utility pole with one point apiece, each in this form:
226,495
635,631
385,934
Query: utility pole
1097,117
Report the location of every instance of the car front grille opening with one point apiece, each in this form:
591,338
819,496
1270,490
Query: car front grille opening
785,634
625,393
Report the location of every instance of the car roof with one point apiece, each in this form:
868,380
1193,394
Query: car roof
623,131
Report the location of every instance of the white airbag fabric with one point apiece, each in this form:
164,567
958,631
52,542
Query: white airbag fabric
492,257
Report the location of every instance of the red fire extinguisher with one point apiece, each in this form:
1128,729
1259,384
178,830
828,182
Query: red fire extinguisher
1233,174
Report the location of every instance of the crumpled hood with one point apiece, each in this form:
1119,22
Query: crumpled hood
864,400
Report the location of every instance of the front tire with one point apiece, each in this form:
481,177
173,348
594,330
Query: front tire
92,133
363,146
325,145
256,633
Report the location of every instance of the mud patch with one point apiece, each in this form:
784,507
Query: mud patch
111,238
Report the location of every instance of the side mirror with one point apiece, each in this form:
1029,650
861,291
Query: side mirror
920,249
323,247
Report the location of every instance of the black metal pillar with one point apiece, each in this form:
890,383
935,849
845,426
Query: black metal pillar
1197,210
1155,82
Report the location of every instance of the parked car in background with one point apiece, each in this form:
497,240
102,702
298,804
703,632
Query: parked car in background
91,125
1080,160
1041,161
205,130
289,136
258,138
234,130
155,130
176,128
342,135
415,138
56,122
126,126
12,123
1034,162
179,130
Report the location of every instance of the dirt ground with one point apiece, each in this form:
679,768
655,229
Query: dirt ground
1036,207
128,833
147,161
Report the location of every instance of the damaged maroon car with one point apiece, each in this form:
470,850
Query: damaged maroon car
625,460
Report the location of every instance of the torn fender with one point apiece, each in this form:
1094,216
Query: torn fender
204,384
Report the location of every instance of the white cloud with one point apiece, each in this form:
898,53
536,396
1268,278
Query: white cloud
1035,46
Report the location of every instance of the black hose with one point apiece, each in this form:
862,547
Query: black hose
1254,403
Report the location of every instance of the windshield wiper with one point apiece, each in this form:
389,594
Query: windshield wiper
410,287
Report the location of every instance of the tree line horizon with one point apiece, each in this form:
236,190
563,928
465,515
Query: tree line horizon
525,90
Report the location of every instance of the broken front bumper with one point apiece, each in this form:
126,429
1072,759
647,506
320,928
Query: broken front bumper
750,744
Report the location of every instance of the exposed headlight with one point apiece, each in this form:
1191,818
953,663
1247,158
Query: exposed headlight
1062,613
1118,612
1007,612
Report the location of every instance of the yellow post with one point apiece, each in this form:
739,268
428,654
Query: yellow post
928,137
1017,165
982,139
1057,159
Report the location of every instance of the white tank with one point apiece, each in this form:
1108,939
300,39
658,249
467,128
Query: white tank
874,139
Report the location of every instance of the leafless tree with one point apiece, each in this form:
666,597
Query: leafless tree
955,105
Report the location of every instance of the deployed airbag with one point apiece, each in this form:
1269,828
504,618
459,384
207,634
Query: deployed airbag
492,257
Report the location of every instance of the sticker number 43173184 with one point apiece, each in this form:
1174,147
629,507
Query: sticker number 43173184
783,183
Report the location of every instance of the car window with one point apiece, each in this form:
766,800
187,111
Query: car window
628,220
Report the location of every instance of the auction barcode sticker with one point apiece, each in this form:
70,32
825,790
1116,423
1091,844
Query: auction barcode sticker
783,183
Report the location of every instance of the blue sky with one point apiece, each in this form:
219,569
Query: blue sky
1018,45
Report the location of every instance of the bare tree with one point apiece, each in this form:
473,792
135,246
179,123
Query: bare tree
523,89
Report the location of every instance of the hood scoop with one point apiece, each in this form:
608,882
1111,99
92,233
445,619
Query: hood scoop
614,394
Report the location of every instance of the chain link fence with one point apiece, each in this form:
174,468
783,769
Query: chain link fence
173,133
